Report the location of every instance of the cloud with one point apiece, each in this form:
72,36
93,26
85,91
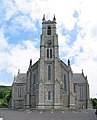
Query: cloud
3,48
22,22
12,55
3,43
15,18
22,53
17,54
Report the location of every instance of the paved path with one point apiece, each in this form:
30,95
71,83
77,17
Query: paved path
8,114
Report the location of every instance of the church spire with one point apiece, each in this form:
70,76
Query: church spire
30,62
54,18
43,18
82,72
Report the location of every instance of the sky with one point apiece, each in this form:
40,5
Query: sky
20,29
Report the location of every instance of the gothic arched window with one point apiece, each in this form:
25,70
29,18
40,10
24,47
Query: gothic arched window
49,30
65,83
47,53
49,72
34,84
81,92
20,91
50,53
49,95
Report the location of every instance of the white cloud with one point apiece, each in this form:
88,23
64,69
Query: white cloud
18,14
23,22
11,56
3,43
22,53
3,48
9,9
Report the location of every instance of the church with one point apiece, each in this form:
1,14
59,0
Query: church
50,83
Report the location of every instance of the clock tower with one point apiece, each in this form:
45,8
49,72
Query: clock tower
49,70
49,40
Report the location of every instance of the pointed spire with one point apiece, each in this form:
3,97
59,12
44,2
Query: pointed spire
54,18
14,78
82,72
30,62
68,62
43,18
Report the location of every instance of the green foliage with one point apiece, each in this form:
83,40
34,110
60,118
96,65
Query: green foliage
3,103
1,94
5,95
94,102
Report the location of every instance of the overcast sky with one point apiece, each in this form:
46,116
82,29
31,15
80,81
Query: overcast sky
20,29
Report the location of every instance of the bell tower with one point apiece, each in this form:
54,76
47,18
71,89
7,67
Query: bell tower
49,40
49,65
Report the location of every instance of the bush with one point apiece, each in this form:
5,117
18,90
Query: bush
1,94
3,103
94,102
5,95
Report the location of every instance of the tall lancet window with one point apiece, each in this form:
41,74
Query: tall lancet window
49,30
47,53
81,92
49,95
49,72
65,87
19,91
34,84
50,53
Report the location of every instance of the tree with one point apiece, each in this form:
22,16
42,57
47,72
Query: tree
94,102
5,95
1,94
8,96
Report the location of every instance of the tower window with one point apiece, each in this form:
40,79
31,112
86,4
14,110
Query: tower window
47,53
49,95
49,72
49,30
50,53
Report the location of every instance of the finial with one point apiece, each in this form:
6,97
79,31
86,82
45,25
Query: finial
43,18
82,72
30,62
68,62
18,71
86,77
14,78
54,18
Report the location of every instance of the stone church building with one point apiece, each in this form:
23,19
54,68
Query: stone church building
50,83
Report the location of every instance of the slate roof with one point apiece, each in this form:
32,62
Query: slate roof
20,78
79,78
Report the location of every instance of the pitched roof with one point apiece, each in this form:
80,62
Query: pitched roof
20,78
63,64
79,78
